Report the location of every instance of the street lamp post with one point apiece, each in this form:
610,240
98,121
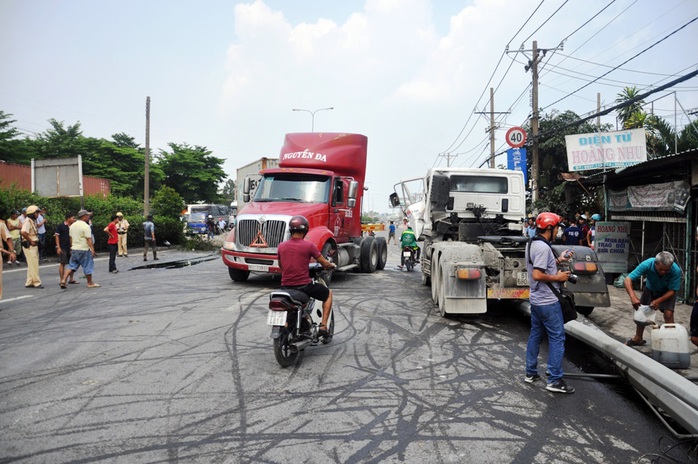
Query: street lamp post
312,115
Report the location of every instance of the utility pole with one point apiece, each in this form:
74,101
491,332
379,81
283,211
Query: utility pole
598,110
493,127
146,180
534,124
448,157
533,66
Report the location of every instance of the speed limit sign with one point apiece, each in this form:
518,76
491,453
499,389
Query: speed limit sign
516,137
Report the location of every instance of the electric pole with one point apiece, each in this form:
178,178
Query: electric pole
533,66
146,175
448,157
493,127
534,124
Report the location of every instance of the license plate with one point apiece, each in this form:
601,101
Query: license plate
258,267
522,279
406,254
276,318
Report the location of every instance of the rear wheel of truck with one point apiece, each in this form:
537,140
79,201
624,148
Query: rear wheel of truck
434,280
382,252
369,255
238,275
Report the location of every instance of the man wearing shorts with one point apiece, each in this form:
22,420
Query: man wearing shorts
62,237
82,250
391,233
663,280
294,257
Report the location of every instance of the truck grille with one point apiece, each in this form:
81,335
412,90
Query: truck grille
272,231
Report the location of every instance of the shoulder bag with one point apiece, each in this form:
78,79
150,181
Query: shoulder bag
564,295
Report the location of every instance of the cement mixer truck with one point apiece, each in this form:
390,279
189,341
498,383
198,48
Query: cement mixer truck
319,176
474,251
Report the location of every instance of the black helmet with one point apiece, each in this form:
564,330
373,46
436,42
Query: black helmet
298,224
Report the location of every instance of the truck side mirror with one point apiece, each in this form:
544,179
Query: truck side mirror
246,190
394,200
353,189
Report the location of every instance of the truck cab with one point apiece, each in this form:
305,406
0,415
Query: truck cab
320,176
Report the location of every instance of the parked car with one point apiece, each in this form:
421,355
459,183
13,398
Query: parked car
196,224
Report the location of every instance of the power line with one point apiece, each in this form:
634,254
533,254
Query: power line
620,105
626,61
451,147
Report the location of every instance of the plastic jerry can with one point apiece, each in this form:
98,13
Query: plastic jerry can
670,346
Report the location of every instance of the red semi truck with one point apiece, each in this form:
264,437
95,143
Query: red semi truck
320,176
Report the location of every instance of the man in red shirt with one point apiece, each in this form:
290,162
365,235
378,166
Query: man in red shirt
112,242
294,257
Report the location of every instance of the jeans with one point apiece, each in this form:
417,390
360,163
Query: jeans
548,318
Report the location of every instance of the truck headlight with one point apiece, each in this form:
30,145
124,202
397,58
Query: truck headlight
229,246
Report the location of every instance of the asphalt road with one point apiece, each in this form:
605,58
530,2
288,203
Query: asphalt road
176,365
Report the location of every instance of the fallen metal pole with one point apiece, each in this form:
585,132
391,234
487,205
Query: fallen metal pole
676,395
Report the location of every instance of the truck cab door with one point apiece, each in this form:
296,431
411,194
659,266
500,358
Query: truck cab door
341,217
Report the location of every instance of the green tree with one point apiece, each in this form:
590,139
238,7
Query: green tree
168,203
554,194
688,138
192,172
229,193
63,142
626,113
8,138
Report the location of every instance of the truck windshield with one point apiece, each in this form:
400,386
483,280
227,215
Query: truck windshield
478,184
293,187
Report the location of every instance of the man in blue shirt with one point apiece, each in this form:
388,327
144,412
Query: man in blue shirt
573,234
546,313
391,232
663,280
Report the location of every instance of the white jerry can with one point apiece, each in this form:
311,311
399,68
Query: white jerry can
670,346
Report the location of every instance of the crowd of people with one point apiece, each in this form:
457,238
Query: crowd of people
23,237
578,230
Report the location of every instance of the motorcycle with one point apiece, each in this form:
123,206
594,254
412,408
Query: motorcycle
291,315
408,257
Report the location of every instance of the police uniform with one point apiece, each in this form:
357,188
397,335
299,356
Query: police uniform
122,226
32,252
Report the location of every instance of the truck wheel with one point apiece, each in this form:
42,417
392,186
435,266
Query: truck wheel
237,275
585,310
435,280
382,249
369,255
426,279
328,250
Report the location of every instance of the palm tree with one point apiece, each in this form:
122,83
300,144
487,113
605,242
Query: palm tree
627,112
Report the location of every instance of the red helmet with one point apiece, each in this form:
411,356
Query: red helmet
545,220
298,224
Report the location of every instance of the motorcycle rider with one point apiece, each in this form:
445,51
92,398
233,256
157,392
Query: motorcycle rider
408,239
294,257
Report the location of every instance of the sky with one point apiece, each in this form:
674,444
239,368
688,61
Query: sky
412,75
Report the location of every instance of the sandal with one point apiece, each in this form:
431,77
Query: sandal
73,282
63,285
322,330
631,342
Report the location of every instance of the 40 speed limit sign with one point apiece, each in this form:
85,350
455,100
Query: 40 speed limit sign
516,137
